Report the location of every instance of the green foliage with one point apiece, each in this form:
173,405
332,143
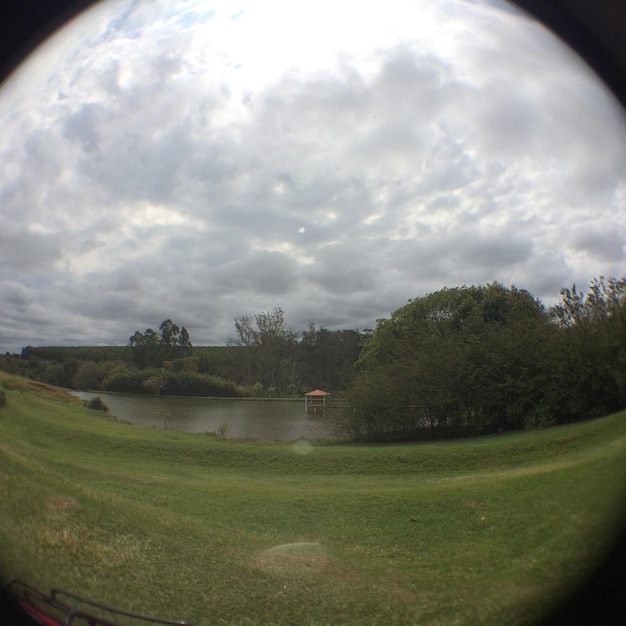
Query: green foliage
327,358
189,363
146,349
590,360
90,375
80,367
290,363
11,363
461,361
128,380
271,344
54,374
149,349
187,383
59,354
154,384
170,383
474,360
265,352
222,430
97,404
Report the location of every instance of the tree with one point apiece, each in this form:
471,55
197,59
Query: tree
145,349
175,341
464,361
185,348
91,374
327,357
271,349
276,348
590,369
169,336
246,338
150,349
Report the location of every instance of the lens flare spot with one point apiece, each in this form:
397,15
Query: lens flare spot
302,230
302,447
294,558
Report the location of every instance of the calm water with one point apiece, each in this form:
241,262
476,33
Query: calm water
273,420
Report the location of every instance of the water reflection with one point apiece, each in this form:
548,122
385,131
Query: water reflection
257,419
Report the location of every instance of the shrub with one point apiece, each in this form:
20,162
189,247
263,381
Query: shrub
97,404
91,374
3,400
222,430
127,380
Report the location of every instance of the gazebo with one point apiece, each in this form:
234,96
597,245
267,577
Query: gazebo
314,400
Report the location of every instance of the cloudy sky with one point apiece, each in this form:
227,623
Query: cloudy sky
201,160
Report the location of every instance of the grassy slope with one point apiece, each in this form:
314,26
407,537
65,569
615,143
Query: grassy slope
482,531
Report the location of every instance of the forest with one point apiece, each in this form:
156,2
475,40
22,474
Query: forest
478,360
461,361
264,359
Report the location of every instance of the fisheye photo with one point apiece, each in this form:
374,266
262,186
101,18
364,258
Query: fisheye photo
310,313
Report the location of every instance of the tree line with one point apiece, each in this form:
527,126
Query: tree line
457,362
281,361
478,360
265,358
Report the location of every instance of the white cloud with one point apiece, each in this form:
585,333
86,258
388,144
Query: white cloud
200,161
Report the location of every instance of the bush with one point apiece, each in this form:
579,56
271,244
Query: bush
188,383
170,383
3,400
91,374
222,430
128,380
97,404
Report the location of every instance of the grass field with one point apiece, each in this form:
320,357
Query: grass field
484,531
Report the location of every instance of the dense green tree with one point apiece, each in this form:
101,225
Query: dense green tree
11,363
326,358
146,348
71,365
169,382
149,349
590,364
169,336
465,360
53,374
91,375
185,347
175,341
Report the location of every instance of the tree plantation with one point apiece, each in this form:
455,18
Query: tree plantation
459,362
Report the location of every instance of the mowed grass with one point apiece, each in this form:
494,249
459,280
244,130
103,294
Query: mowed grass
484,531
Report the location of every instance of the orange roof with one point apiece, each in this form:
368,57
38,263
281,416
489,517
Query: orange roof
317,392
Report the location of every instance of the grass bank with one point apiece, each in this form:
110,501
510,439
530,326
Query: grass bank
486,531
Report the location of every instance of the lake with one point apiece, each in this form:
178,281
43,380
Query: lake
277,420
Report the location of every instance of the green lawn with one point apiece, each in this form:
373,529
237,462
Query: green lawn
483,531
